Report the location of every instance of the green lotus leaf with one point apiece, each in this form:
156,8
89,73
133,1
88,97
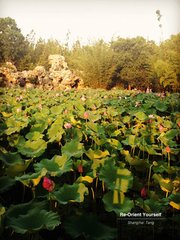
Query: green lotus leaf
175,198
31,220
139,164
130,140
89,227
98,141
75,133
93,126
141,116
63,162
6,183
11,158
160,106
15,125
117,202
79,107
3,127
94,117
13,139
33,136
26,178
32,148
162,167
108,174
114,143
40,126
73,149
124,179
57,110
56,166
96,154
126,119
171,134
150,205
71,193
111,111
18,168
116,178
151,150
23,208
167,124
166,185
56,130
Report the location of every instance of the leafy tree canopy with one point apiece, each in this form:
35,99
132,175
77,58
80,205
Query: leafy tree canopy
13,45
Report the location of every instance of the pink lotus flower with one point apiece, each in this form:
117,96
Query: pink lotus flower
167,149
48,184
65,111
80,168
67,125
86,115
144,192
161,128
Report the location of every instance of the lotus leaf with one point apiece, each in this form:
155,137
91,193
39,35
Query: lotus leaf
6,183
121,205
114,143
56,166
165,184
32,148
15,125
160,106
96,154
56,130
11,158
32,220
141,116
89,227
73,149
34,136
71,193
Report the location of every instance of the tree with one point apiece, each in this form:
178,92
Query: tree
165,74
43,49
94,63
13,45
167,64
134,60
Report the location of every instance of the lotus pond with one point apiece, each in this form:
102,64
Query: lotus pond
73,162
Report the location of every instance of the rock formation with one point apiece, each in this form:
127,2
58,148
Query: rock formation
58,77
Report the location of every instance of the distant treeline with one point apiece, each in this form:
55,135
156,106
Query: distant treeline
124,63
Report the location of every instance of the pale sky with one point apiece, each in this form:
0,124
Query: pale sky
89,20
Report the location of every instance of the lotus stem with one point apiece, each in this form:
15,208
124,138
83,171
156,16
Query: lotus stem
149,176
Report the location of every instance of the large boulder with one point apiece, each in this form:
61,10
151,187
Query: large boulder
62,77
57,62
8,74
59,75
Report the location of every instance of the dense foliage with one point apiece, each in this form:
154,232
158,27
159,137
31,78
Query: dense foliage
72,162
136,62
